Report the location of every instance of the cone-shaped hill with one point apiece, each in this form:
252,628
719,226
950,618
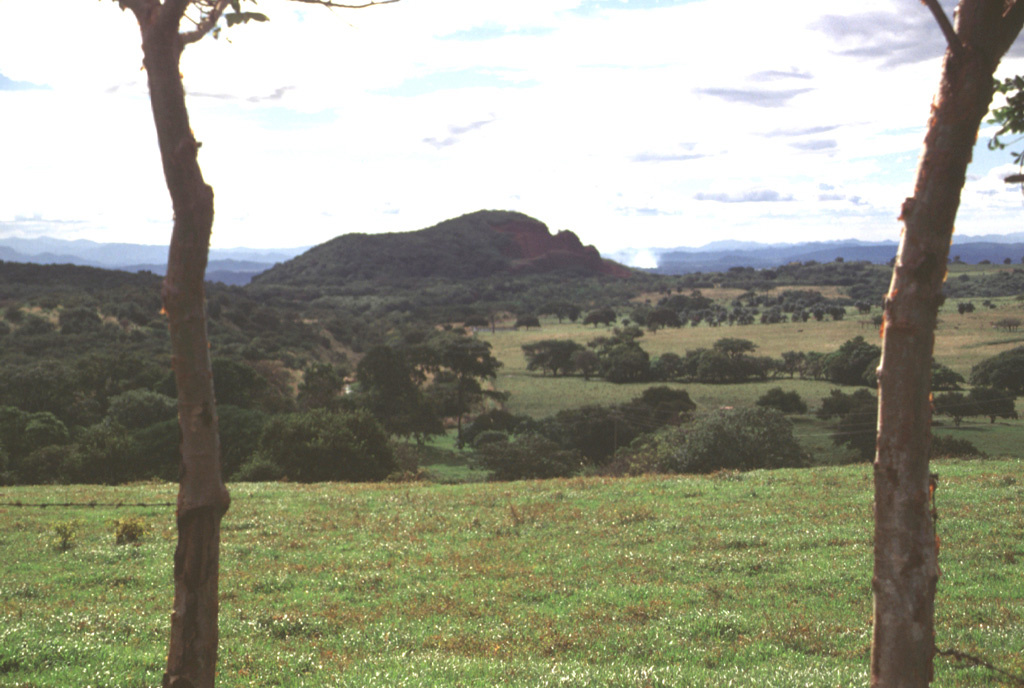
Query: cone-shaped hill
478,245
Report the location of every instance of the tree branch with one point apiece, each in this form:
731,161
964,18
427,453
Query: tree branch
955,44
207,22
338,5
142,9
1013,20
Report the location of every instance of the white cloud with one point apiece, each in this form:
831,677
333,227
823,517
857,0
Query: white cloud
612,122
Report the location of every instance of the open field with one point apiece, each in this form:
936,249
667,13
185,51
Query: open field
750,579
962,341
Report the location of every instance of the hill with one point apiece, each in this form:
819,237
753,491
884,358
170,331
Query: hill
474,246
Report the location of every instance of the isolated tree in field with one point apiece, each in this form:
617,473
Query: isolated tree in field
1008,324
526,321
202,498
905,562
554,355
604,316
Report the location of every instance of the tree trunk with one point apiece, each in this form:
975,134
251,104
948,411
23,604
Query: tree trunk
202,497
906,549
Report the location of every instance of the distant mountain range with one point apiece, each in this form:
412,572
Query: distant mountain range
719,256
535,248
230,266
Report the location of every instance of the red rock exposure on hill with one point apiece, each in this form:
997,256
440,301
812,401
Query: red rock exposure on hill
539,251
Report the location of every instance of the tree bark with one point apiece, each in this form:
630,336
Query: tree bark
906,550
202,496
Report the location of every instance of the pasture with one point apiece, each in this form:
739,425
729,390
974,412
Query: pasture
961,341
756,579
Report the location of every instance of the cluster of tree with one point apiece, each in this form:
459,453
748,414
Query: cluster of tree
1000,282
572,439
856,416
620,358
751,307
108,413
727,439
863,281
979,401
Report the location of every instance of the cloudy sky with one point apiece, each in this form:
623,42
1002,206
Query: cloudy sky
634,123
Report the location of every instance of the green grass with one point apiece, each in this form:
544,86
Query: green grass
734,579
961,341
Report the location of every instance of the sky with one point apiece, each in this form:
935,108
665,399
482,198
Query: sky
634,123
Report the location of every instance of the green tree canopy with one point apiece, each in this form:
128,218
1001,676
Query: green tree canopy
320,445
1003,371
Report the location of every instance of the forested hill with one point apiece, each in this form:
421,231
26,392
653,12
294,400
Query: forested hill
478,245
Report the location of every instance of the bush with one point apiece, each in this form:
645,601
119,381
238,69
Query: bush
489,437
853,364
64,535
497,420
258,469
780,400
858,420
528,457
1003,371
129,530
731,439
140,408
321,445
945,446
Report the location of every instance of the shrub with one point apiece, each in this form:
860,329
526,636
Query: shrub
528,457
140,408
64,535
732,439
489,437
321,445
258,469
780,400
858,420
129,530
497,420
853,363
946,446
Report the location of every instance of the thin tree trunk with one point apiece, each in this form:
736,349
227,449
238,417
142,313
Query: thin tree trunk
202,497
906,549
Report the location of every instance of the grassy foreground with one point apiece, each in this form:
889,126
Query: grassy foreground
758,579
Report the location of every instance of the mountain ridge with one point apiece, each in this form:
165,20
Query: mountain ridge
530,246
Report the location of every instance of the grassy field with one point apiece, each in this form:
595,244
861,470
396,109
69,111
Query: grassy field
759,579
961,342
